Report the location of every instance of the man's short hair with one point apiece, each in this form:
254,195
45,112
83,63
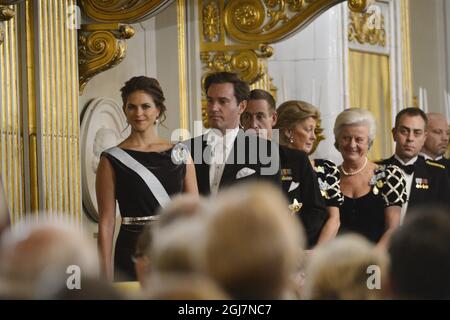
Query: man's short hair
420,255
259,94
241,88
411,112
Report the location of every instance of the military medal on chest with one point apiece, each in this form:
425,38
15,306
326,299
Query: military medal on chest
422,183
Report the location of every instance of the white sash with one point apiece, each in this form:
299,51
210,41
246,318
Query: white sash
149,178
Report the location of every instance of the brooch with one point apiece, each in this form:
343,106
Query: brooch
179,154
320,169
295,206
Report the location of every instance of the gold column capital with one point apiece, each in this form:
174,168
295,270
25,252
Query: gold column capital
6,13
101,47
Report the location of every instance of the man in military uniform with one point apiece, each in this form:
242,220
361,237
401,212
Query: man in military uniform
436,144
298,180
426,181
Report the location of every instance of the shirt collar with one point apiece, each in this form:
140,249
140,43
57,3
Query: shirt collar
412,161
427,157
215,136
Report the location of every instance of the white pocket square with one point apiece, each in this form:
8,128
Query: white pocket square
293,186
244,172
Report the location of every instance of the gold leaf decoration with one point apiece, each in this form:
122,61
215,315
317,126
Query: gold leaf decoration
211,27
364,31
101,47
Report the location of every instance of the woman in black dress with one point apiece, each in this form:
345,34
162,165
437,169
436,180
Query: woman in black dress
373,194
297,121
141,173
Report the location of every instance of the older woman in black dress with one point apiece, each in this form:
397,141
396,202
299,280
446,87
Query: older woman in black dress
297,121
373,194
142,173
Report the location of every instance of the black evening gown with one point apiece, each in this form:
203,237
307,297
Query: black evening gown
136,200
365,215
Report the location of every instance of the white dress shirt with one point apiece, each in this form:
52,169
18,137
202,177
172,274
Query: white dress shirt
427,157
409,180
220,150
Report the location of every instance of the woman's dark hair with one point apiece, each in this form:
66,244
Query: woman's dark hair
149,85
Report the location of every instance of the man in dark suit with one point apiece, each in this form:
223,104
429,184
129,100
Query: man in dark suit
226,155
298,180
436,144
426,181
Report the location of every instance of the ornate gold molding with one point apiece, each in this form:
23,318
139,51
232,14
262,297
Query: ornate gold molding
101,47
124,11
236,35
247,63
6,13
360,28
271,20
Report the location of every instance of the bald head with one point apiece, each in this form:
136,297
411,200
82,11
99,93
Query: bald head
34,258
438,135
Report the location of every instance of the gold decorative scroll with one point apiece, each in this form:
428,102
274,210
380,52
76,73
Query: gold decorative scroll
271,20
245,62
101,47
123,11
236,35
361,30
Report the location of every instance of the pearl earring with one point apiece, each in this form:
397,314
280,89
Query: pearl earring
291,140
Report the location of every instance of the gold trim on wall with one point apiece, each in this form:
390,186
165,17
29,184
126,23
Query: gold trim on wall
101,47
31,107
406,55
12,168
57,110
182,65
123,11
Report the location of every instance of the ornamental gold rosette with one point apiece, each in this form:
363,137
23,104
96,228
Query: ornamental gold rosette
124,11
101,47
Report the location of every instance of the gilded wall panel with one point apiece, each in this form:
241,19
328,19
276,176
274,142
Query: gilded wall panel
57,110
12,168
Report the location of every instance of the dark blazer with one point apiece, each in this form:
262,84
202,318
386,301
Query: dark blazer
445,162
247,152
298,175
430,184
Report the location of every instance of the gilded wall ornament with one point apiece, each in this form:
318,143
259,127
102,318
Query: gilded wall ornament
101,47
357,5
363,29
270,20
211,27
124,11
6,13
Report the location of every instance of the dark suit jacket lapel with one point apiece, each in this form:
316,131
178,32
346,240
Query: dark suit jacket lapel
202,170
416,195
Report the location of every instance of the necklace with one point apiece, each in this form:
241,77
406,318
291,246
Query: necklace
355,172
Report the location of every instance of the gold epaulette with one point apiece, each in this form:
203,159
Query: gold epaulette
432,163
